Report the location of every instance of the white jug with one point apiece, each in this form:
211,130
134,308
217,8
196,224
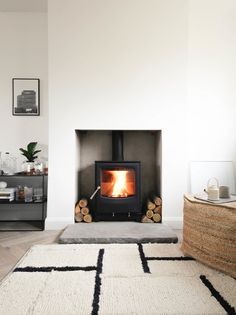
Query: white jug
213,190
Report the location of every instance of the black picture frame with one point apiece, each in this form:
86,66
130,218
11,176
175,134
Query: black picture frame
25,97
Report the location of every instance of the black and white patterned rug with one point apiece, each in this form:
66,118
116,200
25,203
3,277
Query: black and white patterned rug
109,279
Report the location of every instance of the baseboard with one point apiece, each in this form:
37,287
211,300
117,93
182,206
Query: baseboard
56,223
174,222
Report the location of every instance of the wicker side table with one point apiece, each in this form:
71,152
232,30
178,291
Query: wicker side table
209,233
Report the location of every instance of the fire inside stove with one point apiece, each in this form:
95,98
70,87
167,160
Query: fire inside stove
118,183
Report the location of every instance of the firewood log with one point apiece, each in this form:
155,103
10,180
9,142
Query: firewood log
88,218
85,210
150,205
149,214
146,220
83,202
79,217
157,210
156,217
77,209
155,199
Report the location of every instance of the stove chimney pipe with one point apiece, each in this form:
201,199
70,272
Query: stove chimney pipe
117,146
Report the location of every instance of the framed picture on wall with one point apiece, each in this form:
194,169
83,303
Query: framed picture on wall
25,97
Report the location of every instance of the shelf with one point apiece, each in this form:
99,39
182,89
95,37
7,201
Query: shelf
21,226
22,174
6,202
20,215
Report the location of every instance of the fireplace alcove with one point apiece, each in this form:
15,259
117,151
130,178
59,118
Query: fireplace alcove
141,162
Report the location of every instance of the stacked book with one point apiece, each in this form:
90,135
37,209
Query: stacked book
7,194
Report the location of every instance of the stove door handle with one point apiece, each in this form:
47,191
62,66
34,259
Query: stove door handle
94,193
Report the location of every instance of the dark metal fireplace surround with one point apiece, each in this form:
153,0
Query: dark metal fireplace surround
119,195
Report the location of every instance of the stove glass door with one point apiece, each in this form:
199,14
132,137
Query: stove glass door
118,183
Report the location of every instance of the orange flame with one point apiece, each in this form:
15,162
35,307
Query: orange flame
119,184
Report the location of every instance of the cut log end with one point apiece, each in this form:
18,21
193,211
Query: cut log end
155,199
83,203
149,214
156,217
157,210
85,210
88,218
150,205
145,219
79,217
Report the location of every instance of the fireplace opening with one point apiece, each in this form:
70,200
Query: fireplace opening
119,169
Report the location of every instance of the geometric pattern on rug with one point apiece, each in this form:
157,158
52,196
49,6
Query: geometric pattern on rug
115,279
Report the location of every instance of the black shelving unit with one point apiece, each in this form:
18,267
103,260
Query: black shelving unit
19,215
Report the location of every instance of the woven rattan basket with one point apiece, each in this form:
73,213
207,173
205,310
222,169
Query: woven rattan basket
209,234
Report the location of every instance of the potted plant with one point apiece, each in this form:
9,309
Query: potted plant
30,154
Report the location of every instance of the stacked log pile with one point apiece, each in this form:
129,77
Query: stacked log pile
153,209
82,212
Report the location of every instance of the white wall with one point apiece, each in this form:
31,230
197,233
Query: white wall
23,54
115,65
135,64
212,79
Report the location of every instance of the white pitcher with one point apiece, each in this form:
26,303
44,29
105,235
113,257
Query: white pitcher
213,190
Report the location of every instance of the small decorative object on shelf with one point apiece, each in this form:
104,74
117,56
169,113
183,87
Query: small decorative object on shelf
28,168
20,194
30,154
28,191
38,167
8,164
38,194
7,194
3,185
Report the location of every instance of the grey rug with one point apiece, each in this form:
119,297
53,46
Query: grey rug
115,279
117,232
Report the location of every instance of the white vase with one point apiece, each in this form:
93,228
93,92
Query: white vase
28,168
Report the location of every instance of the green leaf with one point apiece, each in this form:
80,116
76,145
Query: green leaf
24,151
30,153
31,147
37,151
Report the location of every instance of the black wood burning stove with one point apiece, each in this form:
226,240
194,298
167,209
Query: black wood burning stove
118,186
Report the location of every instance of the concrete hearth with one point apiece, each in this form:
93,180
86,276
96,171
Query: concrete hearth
117,232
